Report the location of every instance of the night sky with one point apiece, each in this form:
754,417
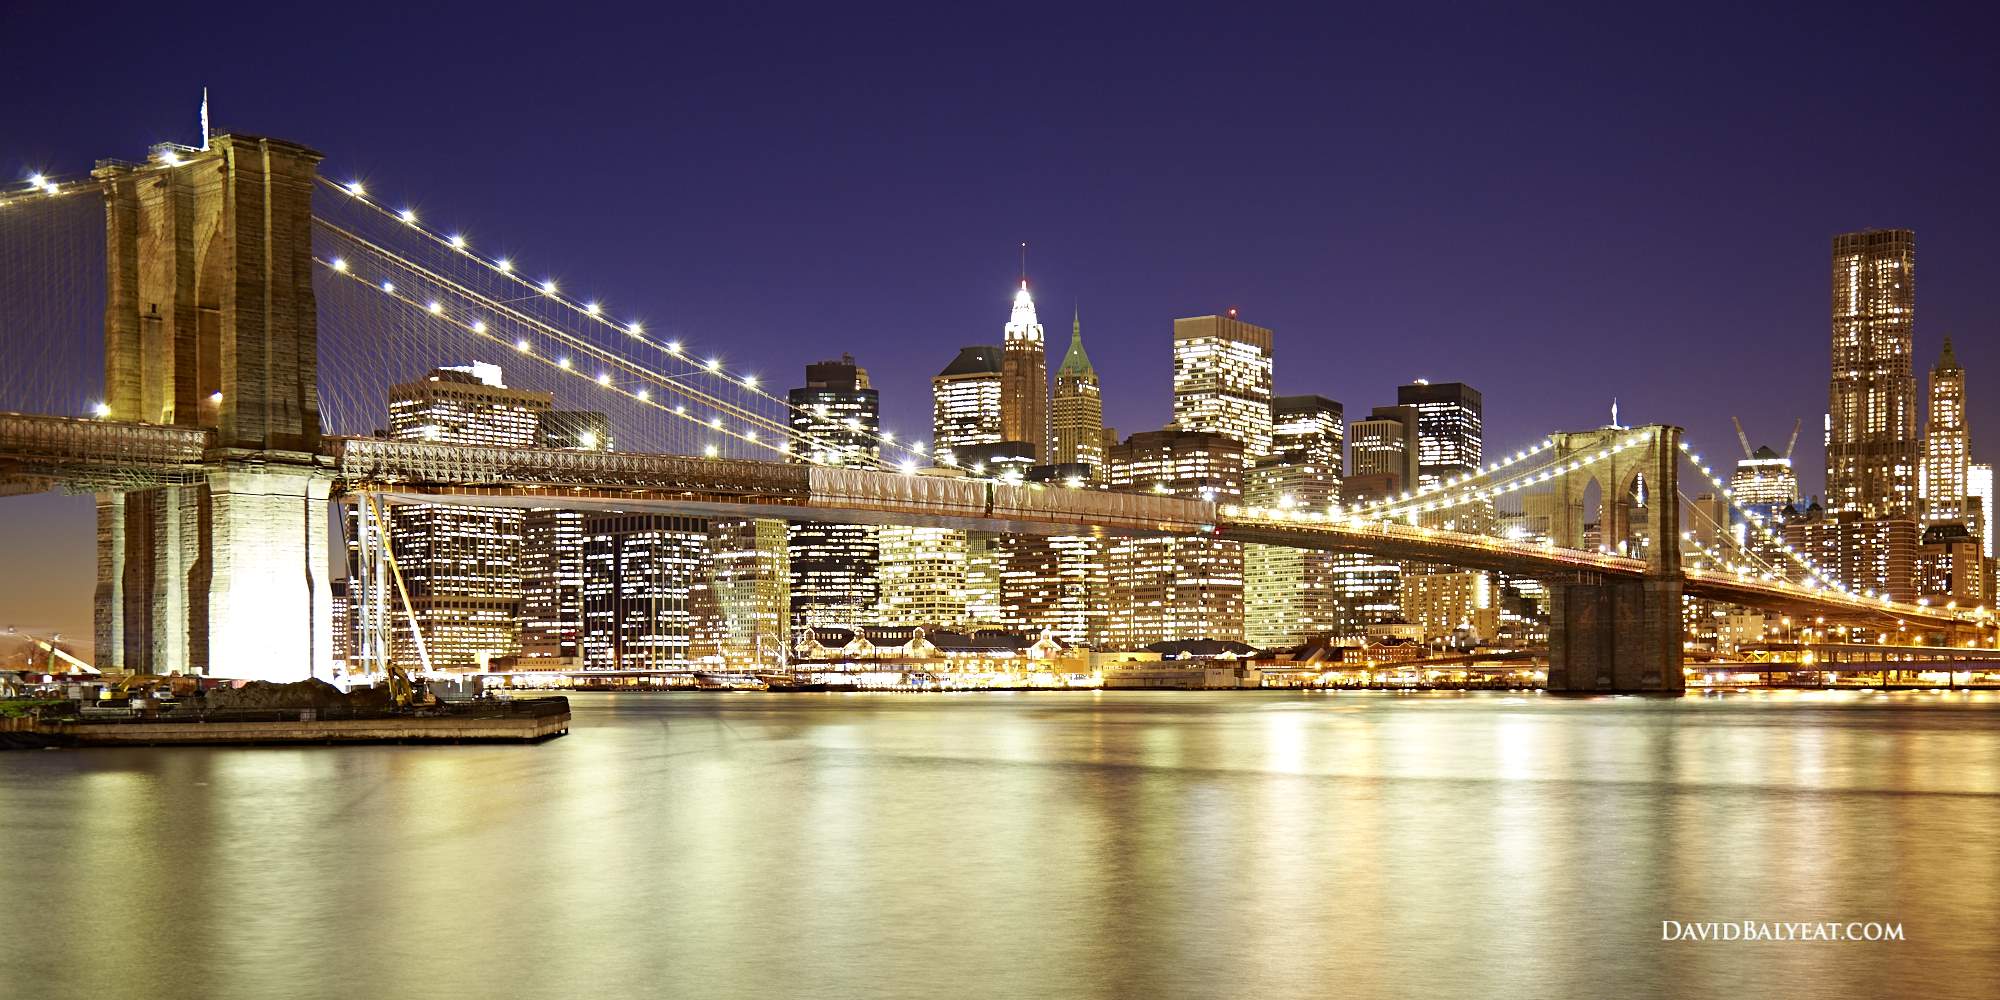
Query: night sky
1632,202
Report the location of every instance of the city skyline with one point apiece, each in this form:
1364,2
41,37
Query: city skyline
1592,226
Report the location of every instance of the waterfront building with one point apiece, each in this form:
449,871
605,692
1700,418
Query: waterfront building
1078,409
462,564
967,402
1024,378
1222,381
552,584
640,575
836,416
1871,429
922,575
1289,594
1450,435
1946,443
742,603
1173,589
1456,605
1951,568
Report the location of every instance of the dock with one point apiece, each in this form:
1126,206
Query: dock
527,720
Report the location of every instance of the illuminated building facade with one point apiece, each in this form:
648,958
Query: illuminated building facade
742,604
1368,589
1222,381
922,576
1946,444
462,564
966,402
1979,499
1871,431
1312,425
1385,451
1764,482
1451,605
1951,568
1078,410
640,575
1450,433
1024,378
837,416
1172,589
1871,555
1290,595
552,584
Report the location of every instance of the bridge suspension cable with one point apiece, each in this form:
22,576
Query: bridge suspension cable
1757,522
633,331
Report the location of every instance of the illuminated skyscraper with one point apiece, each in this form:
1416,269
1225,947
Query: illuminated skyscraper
966,402
742,605
1310,424
640,575
1979,497
1871,431
1764,481
1024,378
552,584
837,416
1291,595
1450,435
462,564
922,576
1946,443
1169,589
1222,381
1385,453
1078,408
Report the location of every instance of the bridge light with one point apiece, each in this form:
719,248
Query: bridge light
635,329
917,446
457,242
215,397
750,381
563,364
680,410
522,345
889,436
644,395
713,364
409,217
709,451
548,286
389,286
99,409
37,180
340,264
354,188
603,378
504,266
435,307
715,422
673,347
478,326
592,308
170,158
909,466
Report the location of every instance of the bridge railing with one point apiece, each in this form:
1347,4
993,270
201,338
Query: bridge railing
376,461
87,455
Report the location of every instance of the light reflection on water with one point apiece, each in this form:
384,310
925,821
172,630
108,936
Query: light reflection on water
1086,844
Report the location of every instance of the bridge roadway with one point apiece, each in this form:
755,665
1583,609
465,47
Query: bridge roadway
404,471
84,455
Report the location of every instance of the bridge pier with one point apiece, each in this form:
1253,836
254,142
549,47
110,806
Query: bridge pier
1622,636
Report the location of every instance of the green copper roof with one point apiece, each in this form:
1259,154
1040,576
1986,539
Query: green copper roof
1075,362
1948,360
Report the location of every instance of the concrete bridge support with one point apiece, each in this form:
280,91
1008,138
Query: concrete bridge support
1626,635
210,322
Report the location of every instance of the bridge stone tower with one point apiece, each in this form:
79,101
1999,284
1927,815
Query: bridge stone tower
209,321
1619,635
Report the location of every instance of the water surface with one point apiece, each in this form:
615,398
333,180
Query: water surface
1142,844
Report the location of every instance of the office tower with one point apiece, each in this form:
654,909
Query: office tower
742,604
580,430
922,576
1979,500
837,417
461,564
1764,481
552,584
1024,378
1449,433
1871,430
1078,410
1946,443
985,552
1291,595
640,572
1951,568
1871,555
1170,589
966,402
1455,604
1310,424
1222,381
1384,454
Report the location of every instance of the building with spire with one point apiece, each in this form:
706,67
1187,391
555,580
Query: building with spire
1024,378
1078,410
1947,456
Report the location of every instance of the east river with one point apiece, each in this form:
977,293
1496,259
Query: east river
1132,844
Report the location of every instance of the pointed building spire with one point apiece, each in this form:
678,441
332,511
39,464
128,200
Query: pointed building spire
1075,361
1947,361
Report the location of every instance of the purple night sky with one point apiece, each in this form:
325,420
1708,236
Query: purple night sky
1556,210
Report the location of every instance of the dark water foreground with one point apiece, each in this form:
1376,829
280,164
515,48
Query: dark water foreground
1129,844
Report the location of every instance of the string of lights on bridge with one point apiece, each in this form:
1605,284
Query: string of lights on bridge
596,312
1756,522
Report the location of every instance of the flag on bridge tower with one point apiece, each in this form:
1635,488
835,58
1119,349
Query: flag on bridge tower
204,118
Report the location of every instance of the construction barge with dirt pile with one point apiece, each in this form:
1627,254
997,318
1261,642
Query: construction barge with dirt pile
306,712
